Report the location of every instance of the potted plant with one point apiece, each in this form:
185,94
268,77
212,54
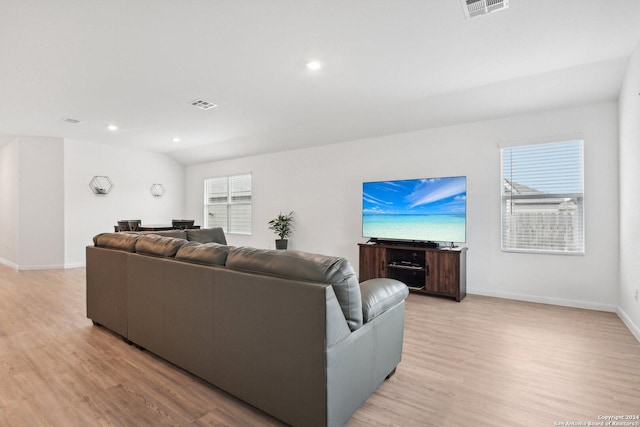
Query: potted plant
281,225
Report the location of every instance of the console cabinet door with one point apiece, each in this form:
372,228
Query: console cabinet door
373,262
444,273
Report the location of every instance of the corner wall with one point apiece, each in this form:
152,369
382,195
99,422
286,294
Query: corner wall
48,213
629,106
323,186
31,208
41,203
9,179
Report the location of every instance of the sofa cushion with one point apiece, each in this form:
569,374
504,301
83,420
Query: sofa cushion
299,265
203,253
121,241
95,238
379,295
152,244
178,234
207,235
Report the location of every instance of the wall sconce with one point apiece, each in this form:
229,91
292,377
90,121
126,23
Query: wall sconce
157,190
101,185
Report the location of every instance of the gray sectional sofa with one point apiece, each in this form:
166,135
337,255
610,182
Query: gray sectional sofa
289,332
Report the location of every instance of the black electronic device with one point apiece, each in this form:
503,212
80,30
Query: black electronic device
418,212
182,224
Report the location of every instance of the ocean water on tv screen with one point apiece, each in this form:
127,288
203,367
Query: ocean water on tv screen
437,228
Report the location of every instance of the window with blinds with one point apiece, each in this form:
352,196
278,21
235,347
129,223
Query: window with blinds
542,198
227,203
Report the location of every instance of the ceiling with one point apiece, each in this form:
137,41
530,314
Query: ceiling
390,66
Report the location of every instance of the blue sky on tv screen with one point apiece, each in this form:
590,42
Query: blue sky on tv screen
432,196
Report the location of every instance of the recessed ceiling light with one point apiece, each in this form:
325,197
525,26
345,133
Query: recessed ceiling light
112,128
175,139
314,65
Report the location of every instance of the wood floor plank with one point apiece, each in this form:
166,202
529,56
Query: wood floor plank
489,361
481,362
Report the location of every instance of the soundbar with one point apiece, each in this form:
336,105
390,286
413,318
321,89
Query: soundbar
414,243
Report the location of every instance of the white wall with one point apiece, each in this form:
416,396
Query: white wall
32,194
9,179
48,213
41,205
629,105
323,186
132,172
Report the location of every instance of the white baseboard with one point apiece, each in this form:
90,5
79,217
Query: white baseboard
8,263
545,300
635,330
41,267
75,265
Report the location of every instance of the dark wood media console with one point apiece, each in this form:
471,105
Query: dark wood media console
429,271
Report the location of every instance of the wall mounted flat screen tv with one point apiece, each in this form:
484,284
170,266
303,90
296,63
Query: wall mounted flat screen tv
430,209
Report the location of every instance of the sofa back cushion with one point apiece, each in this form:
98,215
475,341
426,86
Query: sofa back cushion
298,265
207,235
178,234
121,241
203,253
151,244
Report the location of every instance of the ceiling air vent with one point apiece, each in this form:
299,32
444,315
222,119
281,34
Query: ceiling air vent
203,105
473,8
70,120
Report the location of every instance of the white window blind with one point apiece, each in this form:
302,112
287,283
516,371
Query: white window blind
228,203
542,198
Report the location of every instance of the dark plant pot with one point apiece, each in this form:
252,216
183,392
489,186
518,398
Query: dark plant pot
281,243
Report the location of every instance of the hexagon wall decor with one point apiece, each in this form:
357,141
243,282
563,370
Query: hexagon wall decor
157,190
101,185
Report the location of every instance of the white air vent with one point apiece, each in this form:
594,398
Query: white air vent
203,105
473,8
70,120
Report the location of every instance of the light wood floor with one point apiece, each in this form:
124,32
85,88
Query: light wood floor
481,362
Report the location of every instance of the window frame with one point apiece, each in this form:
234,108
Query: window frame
229,203
510,198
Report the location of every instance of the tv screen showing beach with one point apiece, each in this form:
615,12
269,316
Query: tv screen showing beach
430,209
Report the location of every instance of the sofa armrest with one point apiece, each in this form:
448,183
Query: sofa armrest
379,295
